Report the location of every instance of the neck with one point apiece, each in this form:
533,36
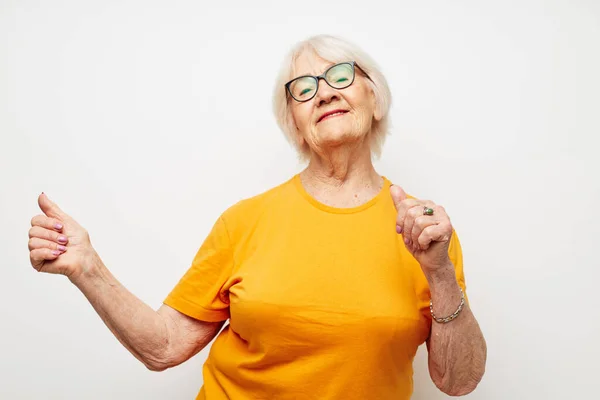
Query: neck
343,176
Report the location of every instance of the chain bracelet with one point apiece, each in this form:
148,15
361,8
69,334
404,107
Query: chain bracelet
450,317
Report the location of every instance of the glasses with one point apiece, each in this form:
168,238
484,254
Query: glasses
338,76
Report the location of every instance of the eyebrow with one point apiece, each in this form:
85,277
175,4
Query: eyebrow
308,74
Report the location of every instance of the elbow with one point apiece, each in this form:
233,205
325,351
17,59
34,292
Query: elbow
464,377
159,355
158,361
163,360
459,387
157,365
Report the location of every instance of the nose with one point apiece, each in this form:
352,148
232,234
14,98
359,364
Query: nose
326,94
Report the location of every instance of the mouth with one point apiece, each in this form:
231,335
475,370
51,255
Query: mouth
331,114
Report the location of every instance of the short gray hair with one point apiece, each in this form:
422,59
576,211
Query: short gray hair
332,49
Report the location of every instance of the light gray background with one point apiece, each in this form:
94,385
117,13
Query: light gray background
145,120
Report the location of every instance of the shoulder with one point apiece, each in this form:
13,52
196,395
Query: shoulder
250,209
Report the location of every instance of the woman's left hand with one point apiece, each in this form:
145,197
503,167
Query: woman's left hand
427,237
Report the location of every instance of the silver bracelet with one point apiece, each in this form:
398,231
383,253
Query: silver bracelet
450,317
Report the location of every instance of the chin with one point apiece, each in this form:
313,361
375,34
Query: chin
337,137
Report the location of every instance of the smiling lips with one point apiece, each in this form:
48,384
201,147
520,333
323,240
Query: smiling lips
331,114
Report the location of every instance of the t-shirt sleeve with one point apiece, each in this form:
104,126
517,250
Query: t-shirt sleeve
201,293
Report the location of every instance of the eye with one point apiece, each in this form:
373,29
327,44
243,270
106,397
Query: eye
305,91
343,79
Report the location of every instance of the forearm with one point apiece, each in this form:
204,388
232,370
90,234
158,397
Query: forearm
457,349
137,326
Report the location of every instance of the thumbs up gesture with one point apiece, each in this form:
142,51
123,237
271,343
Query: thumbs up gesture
57,243
426,230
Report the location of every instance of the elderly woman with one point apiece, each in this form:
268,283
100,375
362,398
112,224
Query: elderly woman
330,281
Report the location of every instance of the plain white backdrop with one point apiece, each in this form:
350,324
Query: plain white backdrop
145,120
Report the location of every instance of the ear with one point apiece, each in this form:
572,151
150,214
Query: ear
299,139
297,136
377,114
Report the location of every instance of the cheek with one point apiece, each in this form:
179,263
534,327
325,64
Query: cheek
301,117
364,113
363,104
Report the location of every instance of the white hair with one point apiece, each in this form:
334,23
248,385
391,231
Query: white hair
332,49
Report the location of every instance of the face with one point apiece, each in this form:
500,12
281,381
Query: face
320,129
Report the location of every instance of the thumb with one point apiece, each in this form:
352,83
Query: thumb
398,195
49,208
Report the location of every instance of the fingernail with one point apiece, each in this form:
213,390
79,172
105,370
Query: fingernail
61,247
398,229
58,226
56,252
406,240
62,239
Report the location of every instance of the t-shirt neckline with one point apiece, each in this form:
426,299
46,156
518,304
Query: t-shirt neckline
297,181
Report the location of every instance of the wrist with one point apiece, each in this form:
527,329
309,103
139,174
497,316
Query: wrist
90,267
442,275
444,288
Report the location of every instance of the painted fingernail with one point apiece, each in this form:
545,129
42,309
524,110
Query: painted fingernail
56,252
406,240
62,239
398,229
61,247
58,226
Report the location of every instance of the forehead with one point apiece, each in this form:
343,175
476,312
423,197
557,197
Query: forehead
309,63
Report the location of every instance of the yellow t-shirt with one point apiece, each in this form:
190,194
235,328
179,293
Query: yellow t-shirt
324,303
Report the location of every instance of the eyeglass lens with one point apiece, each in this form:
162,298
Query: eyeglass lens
339,76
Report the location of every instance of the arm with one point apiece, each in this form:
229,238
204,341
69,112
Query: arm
159,339
457,349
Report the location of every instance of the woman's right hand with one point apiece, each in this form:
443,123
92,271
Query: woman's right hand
57,243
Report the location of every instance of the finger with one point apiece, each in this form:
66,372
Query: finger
439,215
39,256
398,195
404,206
50,208
411,215
47,222
418,212
37,243
43,233
421,223
434,233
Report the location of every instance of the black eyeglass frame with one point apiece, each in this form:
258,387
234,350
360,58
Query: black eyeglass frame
322,76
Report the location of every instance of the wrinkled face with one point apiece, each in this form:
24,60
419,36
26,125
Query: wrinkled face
333,117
